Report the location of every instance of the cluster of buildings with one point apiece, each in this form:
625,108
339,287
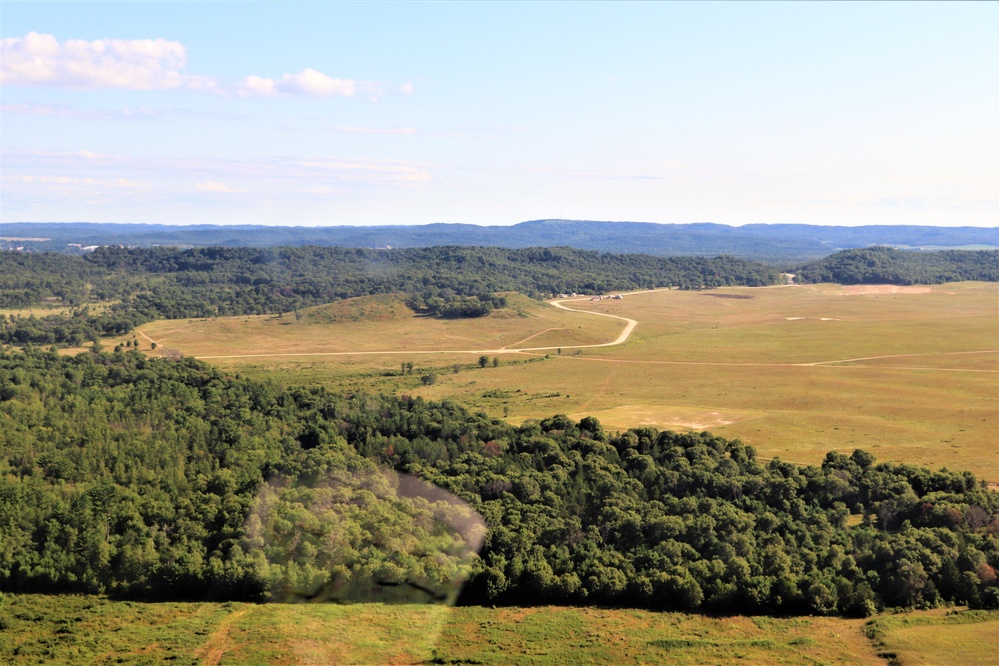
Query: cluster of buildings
616,297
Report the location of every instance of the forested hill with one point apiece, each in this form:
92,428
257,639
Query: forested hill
767,242
165,479
157,283
885,265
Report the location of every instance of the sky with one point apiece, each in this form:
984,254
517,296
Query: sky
495,113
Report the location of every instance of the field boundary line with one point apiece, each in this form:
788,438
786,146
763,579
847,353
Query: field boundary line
534,335
874,358
822,364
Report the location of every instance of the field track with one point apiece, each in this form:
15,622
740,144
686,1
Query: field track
630,325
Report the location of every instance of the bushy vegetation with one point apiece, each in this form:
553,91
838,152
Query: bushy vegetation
163,283
885,265
157,478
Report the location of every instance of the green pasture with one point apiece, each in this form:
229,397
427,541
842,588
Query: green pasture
940,636
94,630
909,373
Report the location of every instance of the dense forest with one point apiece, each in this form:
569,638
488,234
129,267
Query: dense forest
164,283
885,265
163,479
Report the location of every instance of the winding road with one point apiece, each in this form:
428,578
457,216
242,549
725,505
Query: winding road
630,325
629,328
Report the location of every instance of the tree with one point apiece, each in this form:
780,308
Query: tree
483,361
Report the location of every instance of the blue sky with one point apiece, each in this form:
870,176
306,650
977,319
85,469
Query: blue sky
495,113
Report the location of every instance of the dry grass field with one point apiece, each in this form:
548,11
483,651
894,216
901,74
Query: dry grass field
937,637
81,629
94,630
380,324
909,373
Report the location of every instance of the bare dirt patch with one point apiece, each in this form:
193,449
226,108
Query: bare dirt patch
671,417
213,650
865,289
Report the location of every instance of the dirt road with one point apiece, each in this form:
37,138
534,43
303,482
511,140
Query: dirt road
629,328
630,325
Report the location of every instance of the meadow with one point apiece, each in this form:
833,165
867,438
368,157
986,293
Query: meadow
96,630
909,373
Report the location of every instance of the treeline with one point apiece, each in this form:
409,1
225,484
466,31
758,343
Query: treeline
885,265
165,283
73,329
164,479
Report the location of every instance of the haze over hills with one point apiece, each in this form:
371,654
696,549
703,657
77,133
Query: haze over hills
774,242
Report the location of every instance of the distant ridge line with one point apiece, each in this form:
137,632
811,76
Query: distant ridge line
773,242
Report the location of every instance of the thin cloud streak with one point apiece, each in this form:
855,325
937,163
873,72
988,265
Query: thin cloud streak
141,114
265,174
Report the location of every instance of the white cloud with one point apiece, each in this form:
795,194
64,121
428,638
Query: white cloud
139,64
347,129
136,64
212,186
317,84
255,86
309,82
406,88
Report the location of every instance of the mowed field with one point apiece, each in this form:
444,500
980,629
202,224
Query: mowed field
908,373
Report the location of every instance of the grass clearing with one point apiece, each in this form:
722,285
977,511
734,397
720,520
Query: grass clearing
55,306
95,630
389,330
939,636
910,375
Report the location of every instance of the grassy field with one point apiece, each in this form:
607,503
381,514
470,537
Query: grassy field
909,373
53,307
940,636
379,324
95,630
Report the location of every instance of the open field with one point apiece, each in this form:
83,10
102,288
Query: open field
377,324
939,636
95,630
54,307
911,374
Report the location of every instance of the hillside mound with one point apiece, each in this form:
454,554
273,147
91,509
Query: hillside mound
517,305
381,307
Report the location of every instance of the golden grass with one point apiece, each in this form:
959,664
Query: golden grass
94,630
284,335
55,306
794,371
939,636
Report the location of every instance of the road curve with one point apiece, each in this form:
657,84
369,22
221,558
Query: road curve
630,325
